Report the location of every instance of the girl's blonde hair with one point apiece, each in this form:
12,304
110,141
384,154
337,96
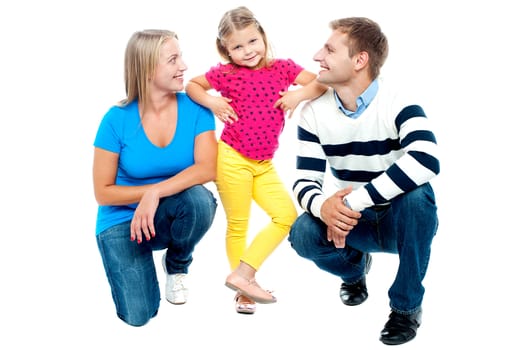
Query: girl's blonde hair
140,60
238,19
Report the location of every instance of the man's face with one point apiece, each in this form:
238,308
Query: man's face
335,63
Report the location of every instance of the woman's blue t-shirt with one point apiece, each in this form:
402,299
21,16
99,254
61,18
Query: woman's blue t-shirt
140,161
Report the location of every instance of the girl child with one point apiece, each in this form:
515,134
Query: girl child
253,102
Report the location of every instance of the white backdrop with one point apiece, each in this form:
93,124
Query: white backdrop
61,69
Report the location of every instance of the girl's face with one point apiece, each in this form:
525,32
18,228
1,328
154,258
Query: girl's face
246,47
169,71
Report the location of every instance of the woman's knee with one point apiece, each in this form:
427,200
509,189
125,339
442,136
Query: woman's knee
200,201
202,197
139,318
137,300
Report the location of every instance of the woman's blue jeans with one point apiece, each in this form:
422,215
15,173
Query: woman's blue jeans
180,222
406,227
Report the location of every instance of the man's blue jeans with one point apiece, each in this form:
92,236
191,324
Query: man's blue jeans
180,222
406,228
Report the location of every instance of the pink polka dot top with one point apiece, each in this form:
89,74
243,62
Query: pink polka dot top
254,92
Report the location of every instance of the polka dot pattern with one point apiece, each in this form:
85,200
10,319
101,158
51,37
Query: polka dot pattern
254,92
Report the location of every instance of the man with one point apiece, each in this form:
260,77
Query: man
381,152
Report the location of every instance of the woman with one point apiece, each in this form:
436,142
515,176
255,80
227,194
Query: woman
153,153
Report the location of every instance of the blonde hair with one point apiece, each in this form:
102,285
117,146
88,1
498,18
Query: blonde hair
364,35
238,19
140,60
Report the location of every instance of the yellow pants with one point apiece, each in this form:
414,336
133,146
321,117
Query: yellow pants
239,180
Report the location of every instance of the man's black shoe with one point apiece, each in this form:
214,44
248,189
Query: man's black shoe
400,329
356,293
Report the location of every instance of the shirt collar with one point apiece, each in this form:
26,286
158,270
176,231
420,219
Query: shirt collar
362,102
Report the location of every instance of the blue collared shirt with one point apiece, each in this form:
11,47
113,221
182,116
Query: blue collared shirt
362,102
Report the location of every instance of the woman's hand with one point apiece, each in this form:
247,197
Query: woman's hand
142,223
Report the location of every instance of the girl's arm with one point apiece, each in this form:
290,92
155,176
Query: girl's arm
310,89
197,90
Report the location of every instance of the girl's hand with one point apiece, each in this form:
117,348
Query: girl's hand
288,102
222,109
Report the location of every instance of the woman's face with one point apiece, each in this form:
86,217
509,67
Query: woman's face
169,71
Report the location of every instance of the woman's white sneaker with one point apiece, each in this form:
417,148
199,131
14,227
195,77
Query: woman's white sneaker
176,292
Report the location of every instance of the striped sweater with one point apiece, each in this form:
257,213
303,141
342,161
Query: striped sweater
387,151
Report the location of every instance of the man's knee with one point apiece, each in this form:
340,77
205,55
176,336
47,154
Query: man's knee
301,235
420,201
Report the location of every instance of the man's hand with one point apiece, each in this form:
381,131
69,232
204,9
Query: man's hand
339,218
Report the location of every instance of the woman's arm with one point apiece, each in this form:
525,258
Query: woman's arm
104,173
201,172
105,170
